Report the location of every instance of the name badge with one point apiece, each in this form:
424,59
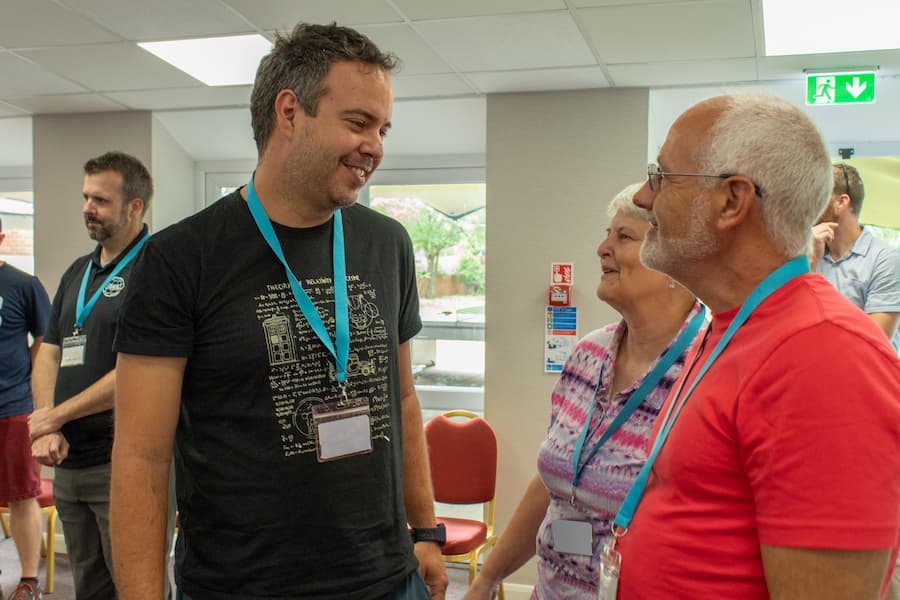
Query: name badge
73,351
572,537
342,429
610,564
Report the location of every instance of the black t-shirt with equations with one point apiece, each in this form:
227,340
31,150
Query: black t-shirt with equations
260,516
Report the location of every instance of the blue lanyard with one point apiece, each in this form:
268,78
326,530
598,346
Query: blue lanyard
770,284
650,381
82,310
341,309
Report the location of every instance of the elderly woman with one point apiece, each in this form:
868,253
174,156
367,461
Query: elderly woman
602,413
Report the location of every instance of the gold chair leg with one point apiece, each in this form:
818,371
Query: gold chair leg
500,595
49,579
4,522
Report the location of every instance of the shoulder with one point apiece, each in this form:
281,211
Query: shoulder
75,270
812,316
596,345
363,217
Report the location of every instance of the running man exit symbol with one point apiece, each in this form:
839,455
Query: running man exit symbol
840,88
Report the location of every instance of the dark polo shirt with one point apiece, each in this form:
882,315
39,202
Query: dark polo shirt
90,438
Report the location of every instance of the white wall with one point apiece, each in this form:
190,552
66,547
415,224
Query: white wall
174,196
62,144
554,160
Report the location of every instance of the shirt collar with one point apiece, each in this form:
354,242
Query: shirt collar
95,256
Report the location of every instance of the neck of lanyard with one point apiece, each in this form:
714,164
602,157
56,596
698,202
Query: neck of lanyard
82,310
340,349
650,381
766,288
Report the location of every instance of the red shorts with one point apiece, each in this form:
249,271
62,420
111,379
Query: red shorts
20,474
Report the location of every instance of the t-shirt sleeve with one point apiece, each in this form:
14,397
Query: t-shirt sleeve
39,313
883,293
157,317
51,335
821,443
410,323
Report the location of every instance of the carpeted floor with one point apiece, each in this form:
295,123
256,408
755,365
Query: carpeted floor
9,564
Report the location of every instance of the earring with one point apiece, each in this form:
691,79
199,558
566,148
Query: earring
671,283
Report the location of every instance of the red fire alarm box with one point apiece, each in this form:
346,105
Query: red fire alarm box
560,295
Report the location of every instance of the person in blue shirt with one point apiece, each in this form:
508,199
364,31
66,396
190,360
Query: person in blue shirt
864,269
24,310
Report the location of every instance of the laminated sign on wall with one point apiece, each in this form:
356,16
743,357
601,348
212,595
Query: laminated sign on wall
560,336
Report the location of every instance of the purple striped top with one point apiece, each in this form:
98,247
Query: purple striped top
607,478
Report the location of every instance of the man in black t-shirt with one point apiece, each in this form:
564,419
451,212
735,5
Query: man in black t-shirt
74,374
269,337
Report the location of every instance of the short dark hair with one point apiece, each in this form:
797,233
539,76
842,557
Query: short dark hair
847,181
300,62
136,180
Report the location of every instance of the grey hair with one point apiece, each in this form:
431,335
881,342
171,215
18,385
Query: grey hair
300,61
624,201
777,145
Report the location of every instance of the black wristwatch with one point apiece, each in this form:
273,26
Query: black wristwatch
429,534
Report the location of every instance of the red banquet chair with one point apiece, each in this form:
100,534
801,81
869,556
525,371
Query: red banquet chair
463,458
48,548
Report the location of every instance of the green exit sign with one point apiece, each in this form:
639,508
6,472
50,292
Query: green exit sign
840,88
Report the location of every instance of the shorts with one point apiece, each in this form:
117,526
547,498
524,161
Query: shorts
20,474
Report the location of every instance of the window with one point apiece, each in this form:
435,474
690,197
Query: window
447,225
17,215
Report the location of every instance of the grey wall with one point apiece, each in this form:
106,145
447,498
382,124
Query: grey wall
173,179
62,144
554,160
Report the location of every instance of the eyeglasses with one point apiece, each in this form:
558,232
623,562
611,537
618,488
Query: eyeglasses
846,180
655,177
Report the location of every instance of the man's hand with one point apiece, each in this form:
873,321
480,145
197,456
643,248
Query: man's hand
50,449
823,234
43,421
431,566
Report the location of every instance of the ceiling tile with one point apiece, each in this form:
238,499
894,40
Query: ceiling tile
33,23
282,15
66,103
162,19
661,32
575,78
415,55
196,97
420,86
589,3
441,9
684,73
529,41
110,67
23,78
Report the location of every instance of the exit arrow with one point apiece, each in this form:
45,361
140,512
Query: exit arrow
856,88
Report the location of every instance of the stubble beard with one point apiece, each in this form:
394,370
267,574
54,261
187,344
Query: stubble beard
670,256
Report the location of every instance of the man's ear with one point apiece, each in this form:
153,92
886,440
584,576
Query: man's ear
287,109
737,203
841,203
136,207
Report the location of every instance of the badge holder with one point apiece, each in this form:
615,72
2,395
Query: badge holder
610,565
73,350
343,428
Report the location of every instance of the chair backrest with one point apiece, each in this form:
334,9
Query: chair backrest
463,458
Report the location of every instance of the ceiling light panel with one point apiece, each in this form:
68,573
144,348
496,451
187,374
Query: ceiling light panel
797,27
230,60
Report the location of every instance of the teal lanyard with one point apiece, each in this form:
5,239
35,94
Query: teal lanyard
769,285
82,310
341,309
650,381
